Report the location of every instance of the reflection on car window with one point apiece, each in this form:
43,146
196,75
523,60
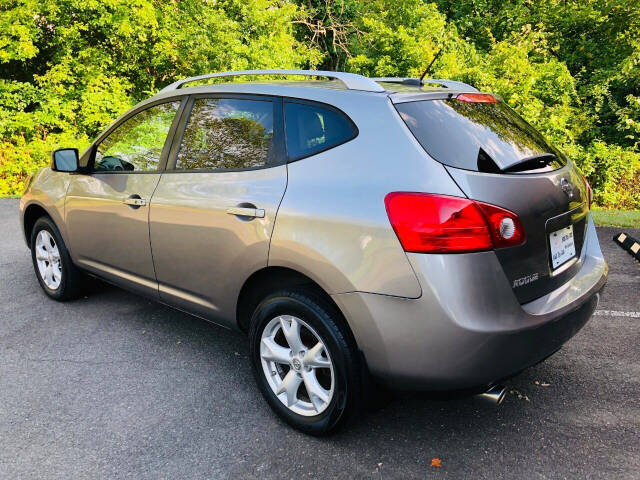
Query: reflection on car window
227,133
136,145
467,135
313,128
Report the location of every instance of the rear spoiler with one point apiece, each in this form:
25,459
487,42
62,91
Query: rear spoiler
452,84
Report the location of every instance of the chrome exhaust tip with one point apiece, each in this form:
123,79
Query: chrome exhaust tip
495,395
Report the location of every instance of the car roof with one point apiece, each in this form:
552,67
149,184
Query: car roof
280,83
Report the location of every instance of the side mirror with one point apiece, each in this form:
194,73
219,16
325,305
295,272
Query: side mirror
65,160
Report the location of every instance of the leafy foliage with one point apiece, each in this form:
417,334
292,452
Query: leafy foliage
570,68
69,67
597,44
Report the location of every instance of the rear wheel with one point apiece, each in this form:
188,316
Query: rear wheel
304,361
58,276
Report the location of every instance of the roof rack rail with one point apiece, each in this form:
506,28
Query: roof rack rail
350,80
418,83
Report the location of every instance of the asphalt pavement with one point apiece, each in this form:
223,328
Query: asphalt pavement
115,386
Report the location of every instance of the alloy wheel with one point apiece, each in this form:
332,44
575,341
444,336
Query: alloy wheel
48,260
297,365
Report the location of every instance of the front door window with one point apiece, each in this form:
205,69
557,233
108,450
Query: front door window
136,144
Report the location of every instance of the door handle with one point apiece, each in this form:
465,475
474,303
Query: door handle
135,201
246,212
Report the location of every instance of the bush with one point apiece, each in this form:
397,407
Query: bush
68,68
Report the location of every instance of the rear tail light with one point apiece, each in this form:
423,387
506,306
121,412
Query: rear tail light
505,226
476,98
427,223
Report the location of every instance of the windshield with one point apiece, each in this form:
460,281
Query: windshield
477,136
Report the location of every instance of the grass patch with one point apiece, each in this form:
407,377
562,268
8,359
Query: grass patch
617,218
10,196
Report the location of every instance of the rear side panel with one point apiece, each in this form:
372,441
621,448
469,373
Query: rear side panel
332,224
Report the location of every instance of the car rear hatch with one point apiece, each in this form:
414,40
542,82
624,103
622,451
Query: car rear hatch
496,157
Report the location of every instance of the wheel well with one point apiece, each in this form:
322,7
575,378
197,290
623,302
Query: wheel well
31,216
268,280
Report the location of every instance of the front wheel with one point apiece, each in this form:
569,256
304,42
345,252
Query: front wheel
58,276
304,361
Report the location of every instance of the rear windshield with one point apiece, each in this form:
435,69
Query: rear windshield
487,137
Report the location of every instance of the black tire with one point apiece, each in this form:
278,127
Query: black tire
72,280
324,318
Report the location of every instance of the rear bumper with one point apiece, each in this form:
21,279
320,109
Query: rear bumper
468,329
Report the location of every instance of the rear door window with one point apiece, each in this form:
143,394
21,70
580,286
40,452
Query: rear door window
313,128
228,134
476,136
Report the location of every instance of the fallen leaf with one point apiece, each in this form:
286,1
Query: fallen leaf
520,395
436,462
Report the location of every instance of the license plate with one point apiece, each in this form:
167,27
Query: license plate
562,246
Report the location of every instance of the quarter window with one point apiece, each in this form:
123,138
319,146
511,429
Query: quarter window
136,144
227,133
312,128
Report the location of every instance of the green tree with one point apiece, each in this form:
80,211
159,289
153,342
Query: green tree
69,67
571,68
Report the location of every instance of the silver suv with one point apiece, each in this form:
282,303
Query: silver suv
417,232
